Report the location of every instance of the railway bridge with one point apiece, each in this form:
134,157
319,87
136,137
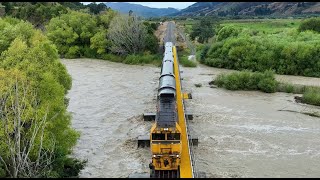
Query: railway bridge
183,155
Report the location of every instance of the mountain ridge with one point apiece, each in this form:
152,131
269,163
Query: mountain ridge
249,8
140,10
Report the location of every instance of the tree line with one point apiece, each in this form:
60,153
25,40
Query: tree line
290,52
35,126
36,137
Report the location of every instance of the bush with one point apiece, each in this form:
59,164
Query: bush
268,85
112,57
2,173
88,52
152,43
247,81
32,61
288,88
73,52
76,32
227,31
203,30
312,96
310,24
287,52
183,60
142,59
203,50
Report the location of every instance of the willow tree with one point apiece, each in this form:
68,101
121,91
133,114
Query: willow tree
127,34
35,128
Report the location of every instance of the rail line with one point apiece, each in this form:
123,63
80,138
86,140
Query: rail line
186,167
169,140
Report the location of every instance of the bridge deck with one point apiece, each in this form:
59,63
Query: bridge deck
186,170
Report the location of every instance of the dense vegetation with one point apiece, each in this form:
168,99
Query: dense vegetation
82,30
203,30
183,54
311,96
40,13
266,82
78,34
286,52
312,24
248,81
36,137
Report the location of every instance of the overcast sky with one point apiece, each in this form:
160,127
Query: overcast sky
177,5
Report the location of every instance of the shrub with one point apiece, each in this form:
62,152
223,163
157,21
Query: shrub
288,52
183,60
247,81
31,61
73,52
310,24
288,88
226,32
268,85
112,57
152,43
311,96
142,59
88,52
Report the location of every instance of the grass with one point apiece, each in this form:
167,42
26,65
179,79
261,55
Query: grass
311,96
268,26
183,58
290,88
187,63
154,59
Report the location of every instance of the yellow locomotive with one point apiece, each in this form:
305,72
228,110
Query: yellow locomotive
165,137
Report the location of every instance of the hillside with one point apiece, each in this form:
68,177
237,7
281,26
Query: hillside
140,10
249,8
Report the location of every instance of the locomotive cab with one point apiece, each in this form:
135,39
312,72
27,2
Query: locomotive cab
166,147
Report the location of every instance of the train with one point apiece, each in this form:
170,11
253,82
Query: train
165,136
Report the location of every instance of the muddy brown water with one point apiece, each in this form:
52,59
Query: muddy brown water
241,133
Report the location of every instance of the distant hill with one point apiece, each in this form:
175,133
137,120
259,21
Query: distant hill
140,10
249,8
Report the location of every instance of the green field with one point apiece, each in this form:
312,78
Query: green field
267,25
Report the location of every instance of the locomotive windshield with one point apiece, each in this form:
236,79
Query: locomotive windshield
167,95
156,136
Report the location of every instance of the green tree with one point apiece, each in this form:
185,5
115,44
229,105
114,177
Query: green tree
127,34
99,42
312,24
31,63
72,32
203,30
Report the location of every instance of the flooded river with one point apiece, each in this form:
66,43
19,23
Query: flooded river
241,133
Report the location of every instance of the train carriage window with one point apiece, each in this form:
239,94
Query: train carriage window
173,136
158,136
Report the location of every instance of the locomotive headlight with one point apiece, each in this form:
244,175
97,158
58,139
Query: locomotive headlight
154,156
178,155
166,129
